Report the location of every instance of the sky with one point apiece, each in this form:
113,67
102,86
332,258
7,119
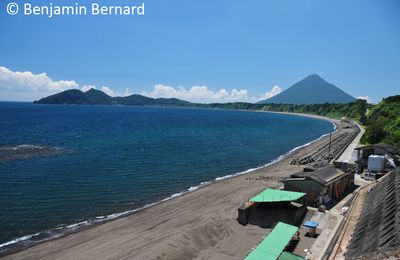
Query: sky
203,51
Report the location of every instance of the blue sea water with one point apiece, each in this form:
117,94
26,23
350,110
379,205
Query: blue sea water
121,158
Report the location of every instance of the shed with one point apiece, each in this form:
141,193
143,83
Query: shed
271,206
321,185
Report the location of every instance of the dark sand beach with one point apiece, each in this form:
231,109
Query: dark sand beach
198,225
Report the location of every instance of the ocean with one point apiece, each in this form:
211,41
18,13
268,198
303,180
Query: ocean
118,159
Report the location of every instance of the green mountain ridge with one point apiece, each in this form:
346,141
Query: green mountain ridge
97,97
72,96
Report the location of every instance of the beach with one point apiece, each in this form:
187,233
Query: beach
197,225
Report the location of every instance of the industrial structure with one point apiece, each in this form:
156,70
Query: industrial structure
321,185
377,157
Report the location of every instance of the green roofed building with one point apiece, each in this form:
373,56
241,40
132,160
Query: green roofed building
273,246
272,195
271,206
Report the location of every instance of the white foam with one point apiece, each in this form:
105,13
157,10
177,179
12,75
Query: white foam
173,196
77,224
19,239
224,177
193,188
26,146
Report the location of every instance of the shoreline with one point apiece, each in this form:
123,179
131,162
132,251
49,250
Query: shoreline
86,226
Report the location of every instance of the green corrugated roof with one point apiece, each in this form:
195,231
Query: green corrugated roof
290,256
259,255
271,195
273,245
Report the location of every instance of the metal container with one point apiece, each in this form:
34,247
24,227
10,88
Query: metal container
376,163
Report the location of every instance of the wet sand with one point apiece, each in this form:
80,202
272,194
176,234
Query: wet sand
198,225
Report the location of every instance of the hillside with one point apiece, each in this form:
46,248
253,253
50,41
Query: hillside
354,110
311,90
97,97
72,96
383,122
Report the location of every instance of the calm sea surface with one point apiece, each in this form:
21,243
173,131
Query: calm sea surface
122,158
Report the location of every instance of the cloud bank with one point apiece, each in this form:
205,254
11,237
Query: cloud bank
27,86
202,94
19,86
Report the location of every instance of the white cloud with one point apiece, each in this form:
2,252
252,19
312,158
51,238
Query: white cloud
88,87
108,91
127,92
112,93
27,86
16,85
367,98
197,94
274,91
204,95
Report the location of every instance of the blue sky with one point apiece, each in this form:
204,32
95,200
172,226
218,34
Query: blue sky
204,51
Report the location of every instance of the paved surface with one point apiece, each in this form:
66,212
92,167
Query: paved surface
330,224
305,242
348,154
360,181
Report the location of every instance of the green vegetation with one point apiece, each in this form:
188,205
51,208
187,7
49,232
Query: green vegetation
383,122
354,110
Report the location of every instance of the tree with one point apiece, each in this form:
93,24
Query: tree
375,132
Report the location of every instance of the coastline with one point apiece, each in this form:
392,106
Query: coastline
278,165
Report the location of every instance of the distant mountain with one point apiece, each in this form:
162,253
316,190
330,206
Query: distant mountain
72,96
311,90
97,97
